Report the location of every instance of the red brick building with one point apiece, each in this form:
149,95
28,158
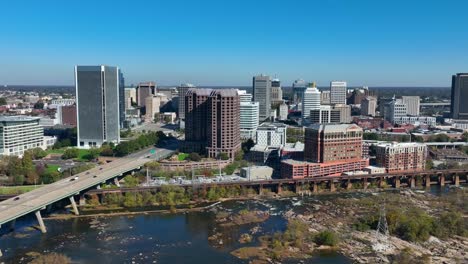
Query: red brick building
212,120
329,150
401,157
68,115
301,169
329,143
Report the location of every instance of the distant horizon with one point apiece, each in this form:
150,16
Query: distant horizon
224,86
396,43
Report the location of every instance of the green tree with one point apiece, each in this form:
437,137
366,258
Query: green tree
429,164
29,170
92,154
247,145
3,101
194,156
70,153
223,156
239,155
131,181
37,153
327,238
106,150
49,177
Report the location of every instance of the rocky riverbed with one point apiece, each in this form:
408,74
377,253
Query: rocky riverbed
342,216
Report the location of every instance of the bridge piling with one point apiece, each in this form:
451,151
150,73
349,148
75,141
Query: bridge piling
412,183
349,185
427,181
315,188
42,227
73,204
396,183
332,186
442,180
279,188
116,182
457,180
381,182
364,183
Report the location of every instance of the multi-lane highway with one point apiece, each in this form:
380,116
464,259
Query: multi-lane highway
38,199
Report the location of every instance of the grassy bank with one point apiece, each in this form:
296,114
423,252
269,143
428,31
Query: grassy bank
10,190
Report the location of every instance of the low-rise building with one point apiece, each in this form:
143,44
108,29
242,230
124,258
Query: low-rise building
295,169
256,173
20,133
415,120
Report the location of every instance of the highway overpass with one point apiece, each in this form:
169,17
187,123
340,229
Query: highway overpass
37,200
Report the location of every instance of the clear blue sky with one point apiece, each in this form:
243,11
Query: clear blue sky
226,42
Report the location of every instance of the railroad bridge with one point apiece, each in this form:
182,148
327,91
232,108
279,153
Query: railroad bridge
311,185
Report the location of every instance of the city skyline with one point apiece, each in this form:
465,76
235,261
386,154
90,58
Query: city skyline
365,43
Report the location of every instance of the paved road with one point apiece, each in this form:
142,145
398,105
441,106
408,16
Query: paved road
41,197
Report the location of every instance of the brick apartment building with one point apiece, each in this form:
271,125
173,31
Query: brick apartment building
212,120
398,157
327,143
329,150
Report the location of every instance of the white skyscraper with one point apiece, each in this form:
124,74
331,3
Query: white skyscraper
244,96
396,109
249,115
412,105
310,101
283,111
338,92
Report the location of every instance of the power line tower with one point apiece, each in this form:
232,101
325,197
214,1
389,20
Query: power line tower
380,243
382,226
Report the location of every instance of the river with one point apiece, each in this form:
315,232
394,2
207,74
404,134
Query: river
155,237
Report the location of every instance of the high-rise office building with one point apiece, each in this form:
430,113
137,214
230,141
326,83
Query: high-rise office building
368,106
144,90
97,104
395,109
248,115
283,111
310,101
276,92
331,143
212,122
130,97
153,104
262,95
326,114
182,90
244,96
325,97
459,106
338,92
299,87
345,112
412,105
121,99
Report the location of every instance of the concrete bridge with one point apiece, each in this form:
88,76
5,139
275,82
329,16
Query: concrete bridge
397,180
38,199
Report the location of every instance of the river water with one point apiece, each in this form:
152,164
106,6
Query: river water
157,238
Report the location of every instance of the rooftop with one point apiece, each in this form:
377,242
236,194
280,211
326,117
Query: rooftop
328,128
17,118
401,145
